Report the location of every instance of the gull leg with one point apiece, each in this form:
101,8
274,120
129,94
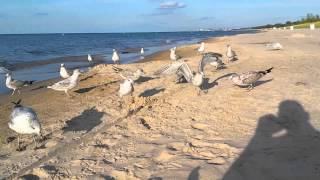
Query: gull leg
19,91
13,92
35,142
19,143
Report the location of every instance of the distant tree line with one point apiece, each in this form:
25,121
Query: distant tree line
309,18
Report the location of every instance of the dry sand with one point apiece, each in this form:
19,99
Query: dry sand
167,131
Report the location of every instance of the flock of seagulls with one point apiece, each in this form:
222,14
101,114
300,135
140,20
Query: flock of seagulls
24,120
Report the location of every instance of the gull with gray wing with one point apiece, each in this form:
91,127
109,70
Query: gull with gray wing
67,84
15,84
248,78
181,69
213,59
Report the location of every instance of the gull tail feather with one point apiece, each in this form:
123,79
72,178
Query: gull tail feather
266,71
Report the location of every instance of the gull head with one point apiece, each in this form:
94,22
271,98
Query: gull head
130,80
7,75
76,72
228,45
62,65
114,50
140,71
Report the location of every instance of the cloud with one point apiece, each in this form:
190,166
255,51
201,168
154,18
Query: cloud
172,5
41,14
205,18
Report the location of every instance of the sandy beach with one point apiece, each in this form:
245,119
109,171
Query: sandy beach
167,131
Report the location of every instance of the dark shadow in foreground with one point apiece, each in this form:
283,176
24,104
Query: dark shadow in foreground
285,146
89,119
194,175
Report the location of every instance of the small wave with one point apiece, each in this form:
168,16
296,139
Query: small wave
36,52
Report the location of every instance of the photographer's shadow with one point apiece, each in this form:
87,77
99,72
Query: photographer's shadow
285,146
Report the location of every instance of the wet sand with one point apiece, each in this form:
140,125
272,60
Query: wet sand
167,131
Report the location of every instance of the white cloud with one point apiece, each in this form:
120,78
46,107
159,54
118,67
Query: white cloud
172,5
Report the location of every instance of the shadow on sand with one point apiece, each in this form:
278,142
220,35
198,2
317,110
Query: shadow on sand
151,92
285,147
89,119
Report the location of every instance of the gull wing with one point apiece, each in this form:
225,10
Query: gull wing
186,72
62,84
170,68
207,59
250,77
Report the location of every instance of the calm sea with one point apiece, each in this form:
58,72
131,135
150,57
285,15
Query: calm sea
38,56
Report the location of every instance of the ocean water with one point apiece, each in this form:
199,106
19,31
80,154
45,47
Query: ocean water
38,56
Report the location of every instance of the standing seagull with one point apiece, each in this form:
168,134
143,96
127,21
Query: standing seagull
142,52
15,84
213,58
201,48
68,83
89,58
115,57
173,55
249,78
231,54
24,120
274,46
64,72
126,87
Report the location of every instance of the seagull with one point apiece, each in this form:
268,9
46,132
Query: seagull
181,69
64,72
89,58
249,78
213,58
126,87
16,84
173,55
24,120
68,83
142,52
274,46
201,48
135,76
231,55
115,57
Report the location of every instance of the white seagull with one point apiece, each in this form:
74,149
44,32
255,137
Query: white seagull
67,84
274,46
115,57
249,78
24,120
231,54
89,58
64,72
142,51
173,55
15,84
201,48
126,87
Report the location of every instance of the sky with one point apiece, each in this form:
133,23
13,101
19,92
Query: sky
99,16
